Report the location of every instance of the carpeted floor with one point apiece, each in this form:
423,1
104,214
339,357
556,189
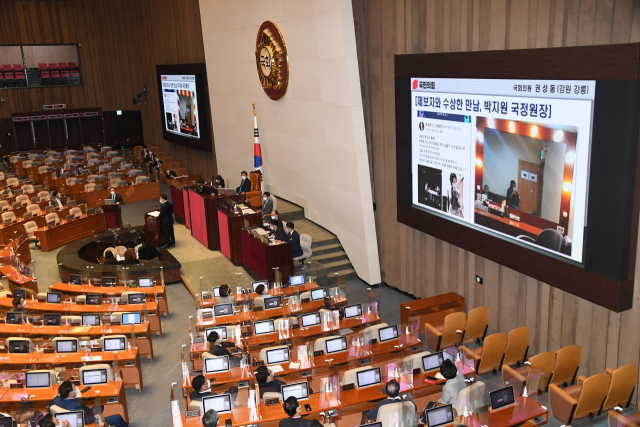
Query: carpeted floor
151,406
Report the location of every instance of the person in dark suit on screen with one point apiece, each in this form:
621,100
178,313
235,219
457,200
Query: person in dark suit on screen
115,197
166,218
245,184
294,239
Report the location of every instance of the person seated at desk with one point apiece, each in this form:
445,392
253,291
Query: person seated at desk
7,191
129,258
170,174
267,206
19,305
276,216
115,197
56,201
330,305
219,348
513,199
393,391
67,399
59,172
202,388
294,411
147,253
294,239
211,418
266,382
277,231
260,290
148,158
486,192
218,182
245,184
454,385
50,421
110,259
155,164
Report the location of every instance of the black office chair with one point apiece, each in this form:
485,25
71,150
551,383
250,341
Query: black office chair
548,238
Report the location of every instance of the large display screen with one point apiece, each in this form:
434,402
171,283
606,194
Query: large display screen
508,157
180,104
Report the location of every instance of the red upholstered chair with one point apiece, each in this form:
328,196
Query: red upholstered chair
1,80
21,78
53,66
75,77
45,78
73,66
64,76
55,77
9,80
62,65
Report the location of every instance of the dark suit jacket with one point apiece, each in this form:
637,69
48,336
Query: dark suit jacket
220,184
166,212
220,350
296,249
52,202
271,386
147,158
244,186
280,234
299,422
118,198
75,405
280,224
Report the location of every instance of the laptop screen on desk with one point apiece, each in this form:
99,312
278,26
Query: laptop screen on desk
75,418
432,362
109,281
336,345
222,310
37,379
52,319
298,390
54,298
272,302
93,299
368,377
296,280
312,319
352,311
278,355
502,397
14,318
21,346
221,330
216,291
74,279
216,364
440,416
94,376
263,327
136,298
389,333
19,293
221,403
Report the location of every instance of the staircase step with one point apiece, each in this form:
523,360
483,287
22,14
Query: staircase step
346,274
330,257
337,265
325,242
293,215
325,249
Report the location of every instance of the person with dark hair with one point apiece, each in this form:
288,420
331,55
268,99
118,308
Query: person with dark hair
19,305
276,216
245,184
294,238
225,291
117,199
266,382
218,182
219,348
486,191
155,164
210,419
68,399
293,409
202,388
393,392
260,289
50,421
513,199
110,259
277,231
170,174
166,219
267,206
454,385
329,305
56,201
455,207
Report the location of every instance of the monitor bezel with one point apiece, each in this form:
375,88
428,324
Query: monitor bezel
316,314
270,321
59,294
145,278
388,339
365,370
224,315
134,313
122,340
217,397
66,340
220,370
36,373
93,370
275,297
266,353
432,355
491,393
440,408
352,305
343,338
282,387
291,280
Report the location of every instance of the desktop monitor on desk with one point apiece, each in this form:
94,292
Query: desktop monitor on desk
221,330
91,319
145,282
74,418
216,291
502,398
298,390
216,364
37,380
318,294
220,310
109,202
109,282
137,298
309,320
432,362
263,327
19,293
352,311
336,345
278,355
19,346
14,318
114,344
387,334
272,302
368,377
296,280
93,299
94,376
255,285
131,319
52,319
440,417
75,279
54,297
220,403
67,346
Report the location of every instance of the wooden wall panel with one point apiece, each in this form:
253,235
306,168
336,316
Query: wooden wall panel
120,44
388,27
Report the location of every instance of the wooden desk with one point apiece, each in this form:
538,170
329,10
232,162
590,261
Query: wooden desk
69,289
431,310
17,228
153,231
505,225
288,291
130,194
142,331
113,215
67,232
230,224
262,258
17,280
23,251
524,410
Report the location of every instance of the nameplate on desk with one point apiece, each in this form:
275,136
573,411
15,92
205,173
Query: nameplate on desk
318,353
49,350
37,323
16,385
96,349
348,387
246,291
207,315
192,414
305,300
257,309
270,402
246,323
196,372
207,296
75,324
122,303
115,323
305,374
364,361
416,371
246,334
198,340
260,363
295,326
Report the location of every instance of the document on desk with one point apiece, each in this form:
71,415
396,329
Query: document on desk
154,214
276,368
261,231
294,365
247,211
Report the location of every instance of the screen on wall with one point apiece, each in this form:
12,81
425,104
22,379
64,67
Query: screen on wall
184,105
508,157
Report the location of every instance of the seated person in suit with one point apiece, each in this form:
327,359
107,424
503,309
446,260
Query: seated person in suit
149,157
264,376
486,192
19,305
513,199
59,171
393,393
267,206
211,418
67,399
260,289
294,411
218,182
454,385
277,231
202,388
155,164
56,201
219,348
245,184
129,258
294,238
170,174
110,259
276,216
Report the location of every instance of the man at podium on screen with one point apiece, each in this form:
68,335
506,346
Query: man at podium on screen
166,219
117,199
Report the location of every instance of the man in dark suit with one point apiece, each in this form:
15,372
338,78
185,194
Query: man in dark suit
393,391
276,216
245,184
166,219
277,231
294,239
210,419
68,399
155,164
115,197
219,348
56,201
266,381
294,410
202,388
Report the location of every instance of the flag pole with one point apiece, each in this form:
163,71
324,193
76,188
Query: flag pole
257,153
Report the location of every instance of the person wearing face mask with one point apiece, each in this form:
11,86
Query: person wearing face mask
56,201
294,238
277,231
50,421
267,206
68,399
115,197
166,219
19,305
245,184
202,388
219,348
276,216
218,182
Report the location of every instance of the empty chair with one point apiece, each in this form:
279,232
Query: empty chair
396,414
174,166
52,217
488,358
548,238
70,181
567,365
27,163
536,375
4,205
23,199
8,215
76,212
580,400
34,209
141,178
72,66
89,187
44,195
622,386
517,346
27,189
30,227
12,182
165,160
477,324
305,244
183,172
450,333
43,169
